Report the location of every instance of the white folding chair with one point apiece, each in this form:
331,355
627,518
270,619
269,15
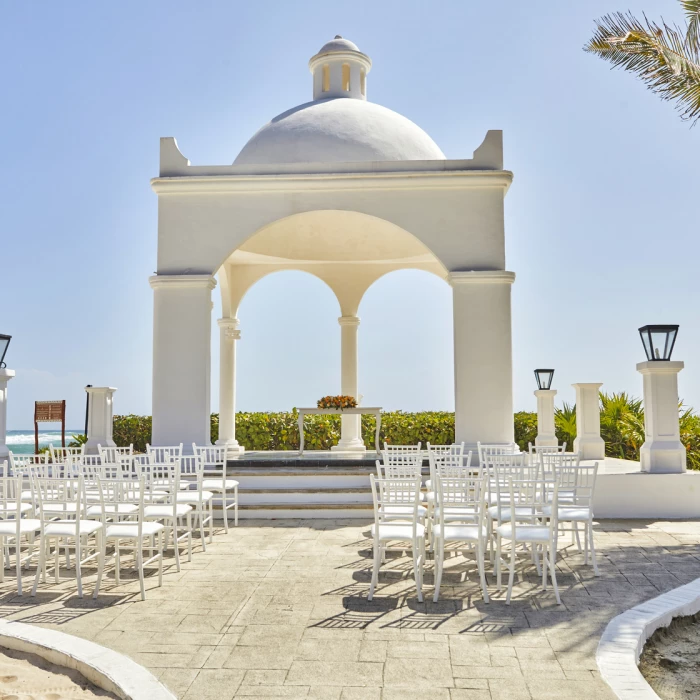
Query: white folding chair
201,500
140,532
388,493
455,495
214,459
14,527
539,530
63,517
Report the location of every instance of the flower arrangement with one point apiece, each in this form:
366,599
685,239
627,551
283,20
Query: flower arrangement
339,402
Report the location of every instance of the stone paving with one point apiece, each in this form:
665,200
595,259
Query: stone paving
279,609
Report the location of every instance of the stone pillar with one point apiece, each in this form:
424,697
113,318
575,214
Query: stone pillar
5,376
350,426
588,442
662,451
182,359
229,334
483,356
100,416
546,436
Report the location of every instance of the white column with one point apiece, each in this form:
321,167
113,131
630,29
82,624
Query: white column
229,334
182,359
5,376
662,451
350,426
588,442
100,417
483,356
546,436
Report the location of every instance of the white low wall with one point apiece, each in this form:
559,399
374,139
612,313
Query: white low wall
644,495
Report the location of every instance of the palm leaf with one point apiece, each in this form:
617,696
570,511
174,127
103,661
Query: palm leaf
667,62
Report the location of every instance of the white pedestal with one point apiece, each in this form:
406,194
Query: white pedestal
588,442
100,415
662,451
5,376
546,436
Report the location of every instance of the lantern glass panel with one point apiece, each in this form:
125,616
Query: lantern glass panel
4,342
658,341
544,378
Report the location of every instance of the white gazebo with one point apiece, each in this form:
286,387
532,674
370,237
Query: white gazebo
348,191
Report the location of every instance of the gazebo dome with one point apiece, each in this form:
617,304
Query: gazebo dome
339,125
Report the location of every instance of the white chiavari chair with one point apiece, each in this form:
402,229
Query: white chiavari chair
201,500
455,495
214,459
538,530
401,493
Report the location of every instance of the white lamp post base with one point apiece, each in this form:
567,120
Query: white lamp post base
546,436
352,445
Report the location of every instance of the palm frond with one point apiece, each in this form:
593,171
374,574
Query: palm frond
692,13
666,61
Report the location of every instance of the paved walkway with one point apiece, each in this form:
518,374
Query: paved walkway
279,609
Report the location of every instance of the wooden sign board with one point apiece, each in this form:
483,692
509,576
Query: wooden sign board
49,412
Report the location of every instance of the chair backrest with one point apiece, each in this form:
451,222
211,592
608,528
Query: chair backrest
65,454
21,462
10,490
532,496
164,454
451,465
577,484
395,492
60,498
114,455
113,491
163,478
454,449
551,462
400,465
214,457
192,468
461,492
401,448
488,451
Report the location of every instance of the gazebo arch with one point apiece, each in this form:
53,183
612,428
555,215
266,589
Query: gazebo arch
347,190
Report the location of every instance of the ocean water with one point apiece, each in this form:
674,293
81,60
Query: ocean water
22,441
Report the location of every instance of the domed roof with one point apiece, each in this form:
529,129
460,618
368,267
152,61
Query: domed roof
339,130
338,44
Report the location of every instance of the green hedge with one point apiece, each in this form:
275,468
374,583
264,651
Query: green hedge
621,426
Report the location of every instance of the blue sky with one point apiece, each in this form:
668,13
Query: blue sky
600,221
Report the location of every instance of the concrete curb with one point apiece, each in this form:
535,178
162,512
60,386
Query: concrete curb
105,668
622,642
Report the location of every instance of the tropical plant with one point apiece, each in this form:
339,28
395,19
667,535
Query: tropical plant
666,58
338,402
565,424
77,440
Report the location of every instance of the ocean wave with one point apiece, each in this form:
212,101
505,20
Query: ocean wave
28,438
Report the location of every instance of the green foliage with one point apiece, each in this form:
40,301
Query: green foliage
132,430
565,425
525,428
77,440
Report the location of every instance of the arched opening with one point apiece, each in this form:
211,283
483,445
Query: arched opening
346,77
406,351
326,78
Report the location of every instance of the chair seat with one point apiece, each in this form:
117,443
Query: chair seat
114,508
402,511
131,530
9,527
68,528
166,511
505,513
524,533
11,509
571,514
219,484
192,497
459,533
397,531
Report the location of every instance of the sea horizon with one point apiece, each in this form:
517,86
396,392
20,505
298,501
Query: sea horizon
22,441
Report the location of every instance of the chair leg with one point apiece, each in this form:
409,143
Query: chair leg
200,516
375,569
553,570
189,536
575,535
41,566
224,503
100,561
499,587
585,544
481,564
78,566
117,562
511,572
18,564
160,559
417,569
439,549
176,544
590,539
57,555
139,565
544,567
211,520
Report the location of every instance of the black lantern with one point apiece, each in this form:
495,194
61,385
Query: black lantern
4,342
544,378
658,341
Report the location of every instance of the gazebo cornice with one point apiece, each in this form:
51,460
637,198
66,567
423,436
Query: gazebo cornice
402,180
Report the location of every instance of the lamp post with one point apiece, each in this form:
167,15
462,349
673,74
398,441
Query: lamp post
5,376
662,451
546,436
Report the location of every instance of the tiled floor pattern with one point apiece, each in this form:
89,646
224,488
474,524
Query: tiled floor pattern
279,609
